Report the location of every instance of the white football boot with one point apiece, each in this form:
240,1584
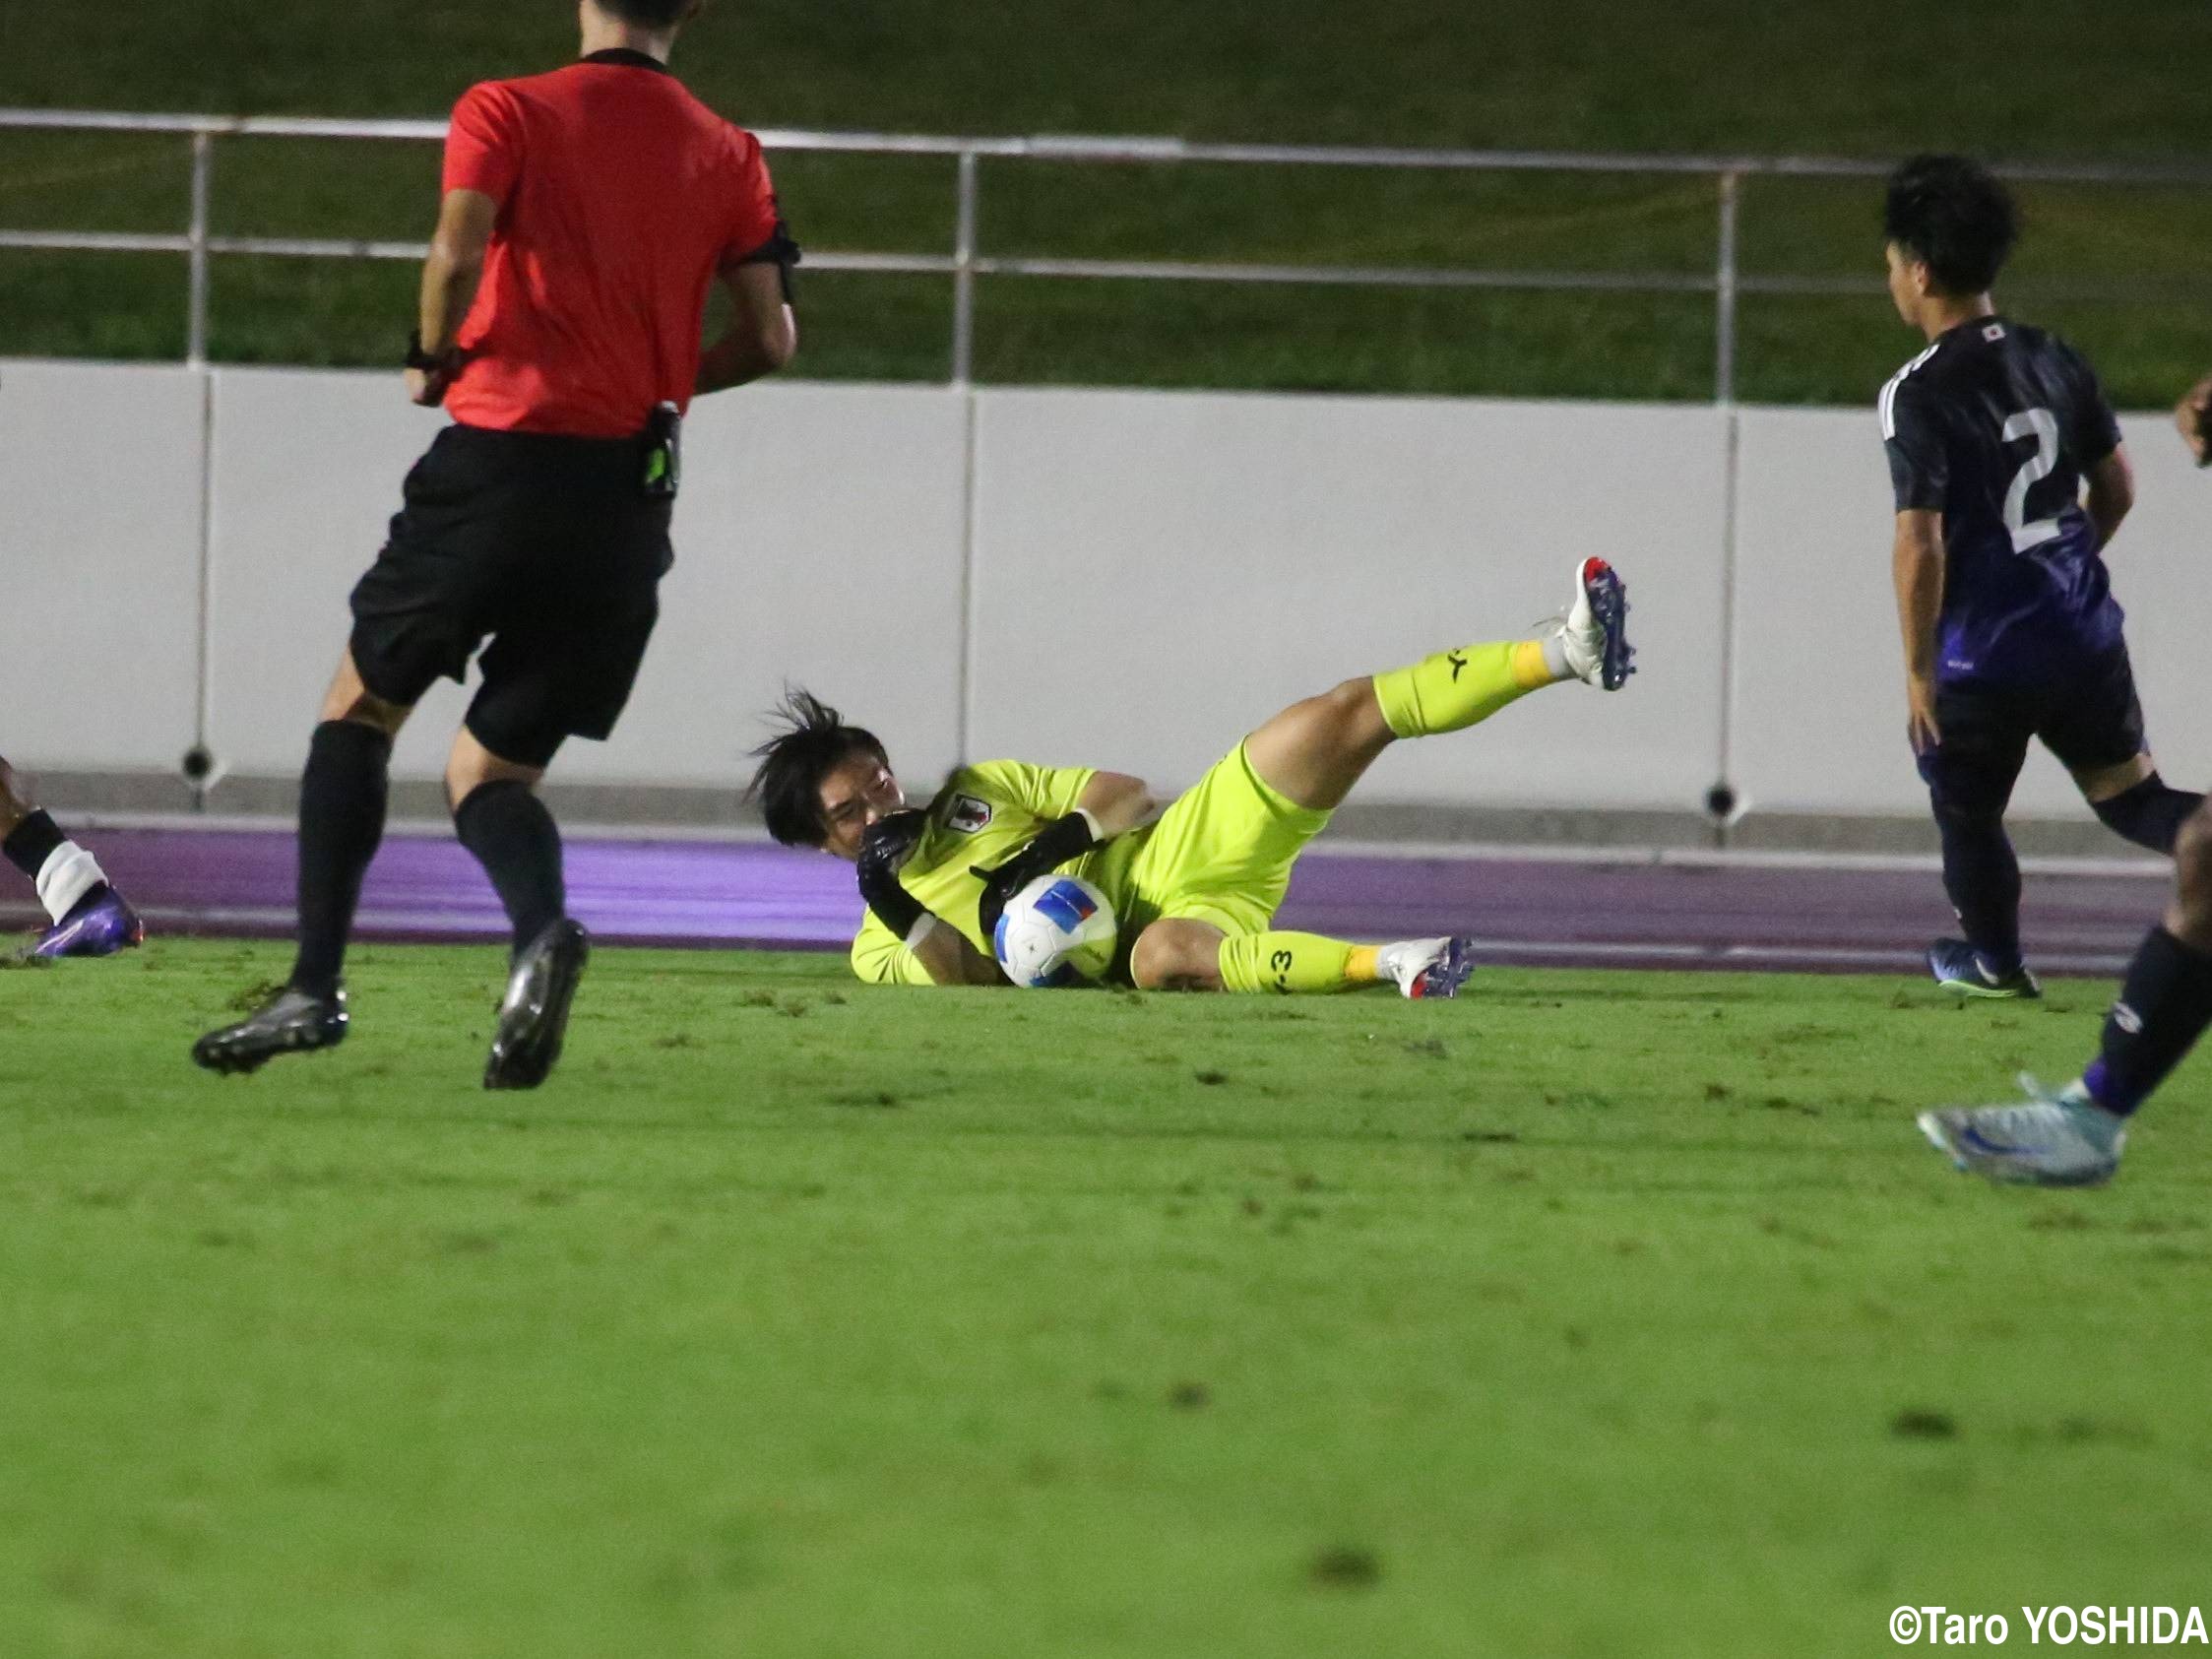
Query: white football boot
2053,1140
1595,631
1427,966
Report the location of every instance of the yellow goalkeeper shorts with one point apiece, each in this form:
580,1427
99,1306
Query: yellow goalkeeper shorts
1221,854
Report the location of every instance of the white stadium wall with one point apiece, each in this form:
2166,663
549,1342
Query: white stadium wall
2160,563
1818,702
817,540
1191,563
99,566
1134,578
306,471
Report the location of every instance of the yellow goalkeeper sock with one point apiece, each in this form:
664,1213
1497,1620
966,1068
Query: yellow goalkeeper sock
1293,963
1454,689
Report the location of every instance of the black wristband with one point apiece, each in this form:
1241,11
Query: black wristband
416,357
1051,847
890,903
884,848
1057,842
780,251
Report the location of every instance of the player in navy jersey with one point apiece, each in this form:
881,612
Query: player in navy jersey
2009,626
2074,1137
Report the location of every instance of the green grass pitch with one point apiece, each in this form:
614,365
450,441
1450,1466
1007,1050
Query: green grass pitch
1593,1315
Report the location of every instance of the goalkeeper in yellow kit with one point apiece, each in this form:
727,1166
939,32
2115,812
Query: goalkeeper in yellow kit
1194,888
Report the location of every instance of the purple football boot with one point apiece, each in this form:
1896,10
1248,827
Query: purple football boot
100,923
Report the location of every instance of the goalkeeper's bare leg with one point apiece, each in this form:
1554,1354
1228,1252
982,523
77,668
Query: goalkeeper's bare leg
1315,751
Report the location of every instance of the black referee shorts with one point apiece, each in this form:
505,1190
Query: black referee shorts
545,543
2088,716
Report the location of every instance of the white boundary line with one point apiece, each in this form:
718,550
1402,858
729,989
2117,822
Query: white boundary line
1721,958
1736,857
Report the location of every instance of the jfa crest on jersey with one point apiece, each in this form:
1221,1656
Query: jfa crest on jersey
967,814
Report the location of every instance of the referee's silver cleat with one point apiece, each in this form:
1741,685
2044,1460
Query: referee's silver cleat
289,1023
534,1014
2050,1140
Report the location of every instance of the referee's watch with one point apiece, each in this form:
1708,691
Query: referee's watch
416,357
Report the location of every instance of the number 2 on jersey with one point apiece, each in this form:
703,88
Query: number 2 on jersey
2042,426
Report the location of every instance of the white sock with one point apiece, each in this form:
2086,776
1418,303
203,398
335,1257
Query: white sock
1555,656
67,875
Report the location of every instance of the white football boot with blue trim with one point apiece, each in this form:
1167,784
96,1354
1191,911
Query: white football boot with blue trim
1422,968
1595,633
2062,1139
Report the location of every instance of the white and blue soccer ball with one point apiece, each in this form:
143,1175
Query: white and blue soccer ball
1057,929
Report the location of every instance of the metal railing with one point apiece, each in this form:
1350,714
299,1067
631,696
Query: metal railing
964,262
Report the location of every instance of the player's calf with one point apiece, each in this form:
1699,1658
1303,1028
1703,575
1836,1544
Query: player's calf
1982,876
1456,689
1178,953
2190,916
2149,813
1294,964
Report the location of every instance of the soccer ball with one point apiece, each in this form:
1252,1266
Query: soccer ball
1057,929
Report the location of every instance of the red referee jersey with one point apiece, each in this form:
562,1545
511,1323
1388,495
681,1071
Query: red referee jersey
620,195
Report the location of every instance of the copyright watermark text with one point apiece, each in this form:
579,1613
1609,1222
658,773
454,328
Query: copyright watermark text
2057,1627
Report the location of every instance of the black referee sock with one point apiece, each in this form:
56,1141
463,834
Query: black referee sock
1983,878
2150,814
2163,1007
515,839
341,796
33,841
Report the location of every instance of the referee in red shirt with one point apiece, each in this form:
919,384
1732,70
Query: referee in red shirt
586,214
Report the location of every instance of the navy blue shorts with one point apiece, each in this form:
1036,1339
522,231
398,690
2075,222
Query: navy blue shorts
2089,718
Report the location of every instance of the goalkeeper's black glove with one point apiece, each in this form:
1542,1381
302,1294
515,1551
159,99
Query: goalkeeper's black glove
1053,846
885,847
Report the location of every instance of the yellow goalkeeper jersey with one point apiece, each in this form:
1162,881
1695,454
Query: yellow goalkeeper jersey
984,815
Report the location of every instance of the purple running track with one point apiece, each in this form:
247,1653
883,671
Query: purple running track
1629,911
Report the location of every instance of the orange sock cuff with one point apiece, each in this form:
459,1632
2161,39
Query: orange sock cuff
1530,669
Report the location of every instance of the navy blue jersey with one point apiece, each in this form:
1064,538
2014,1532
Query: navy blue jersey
1993,427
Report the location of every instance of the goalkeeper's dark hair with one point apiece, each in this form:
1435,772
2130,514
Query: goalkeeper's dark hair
1950,212
814,741
649,14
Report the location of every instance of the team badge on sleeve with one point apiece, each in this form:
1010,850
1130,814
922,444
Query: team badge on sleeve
968,814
